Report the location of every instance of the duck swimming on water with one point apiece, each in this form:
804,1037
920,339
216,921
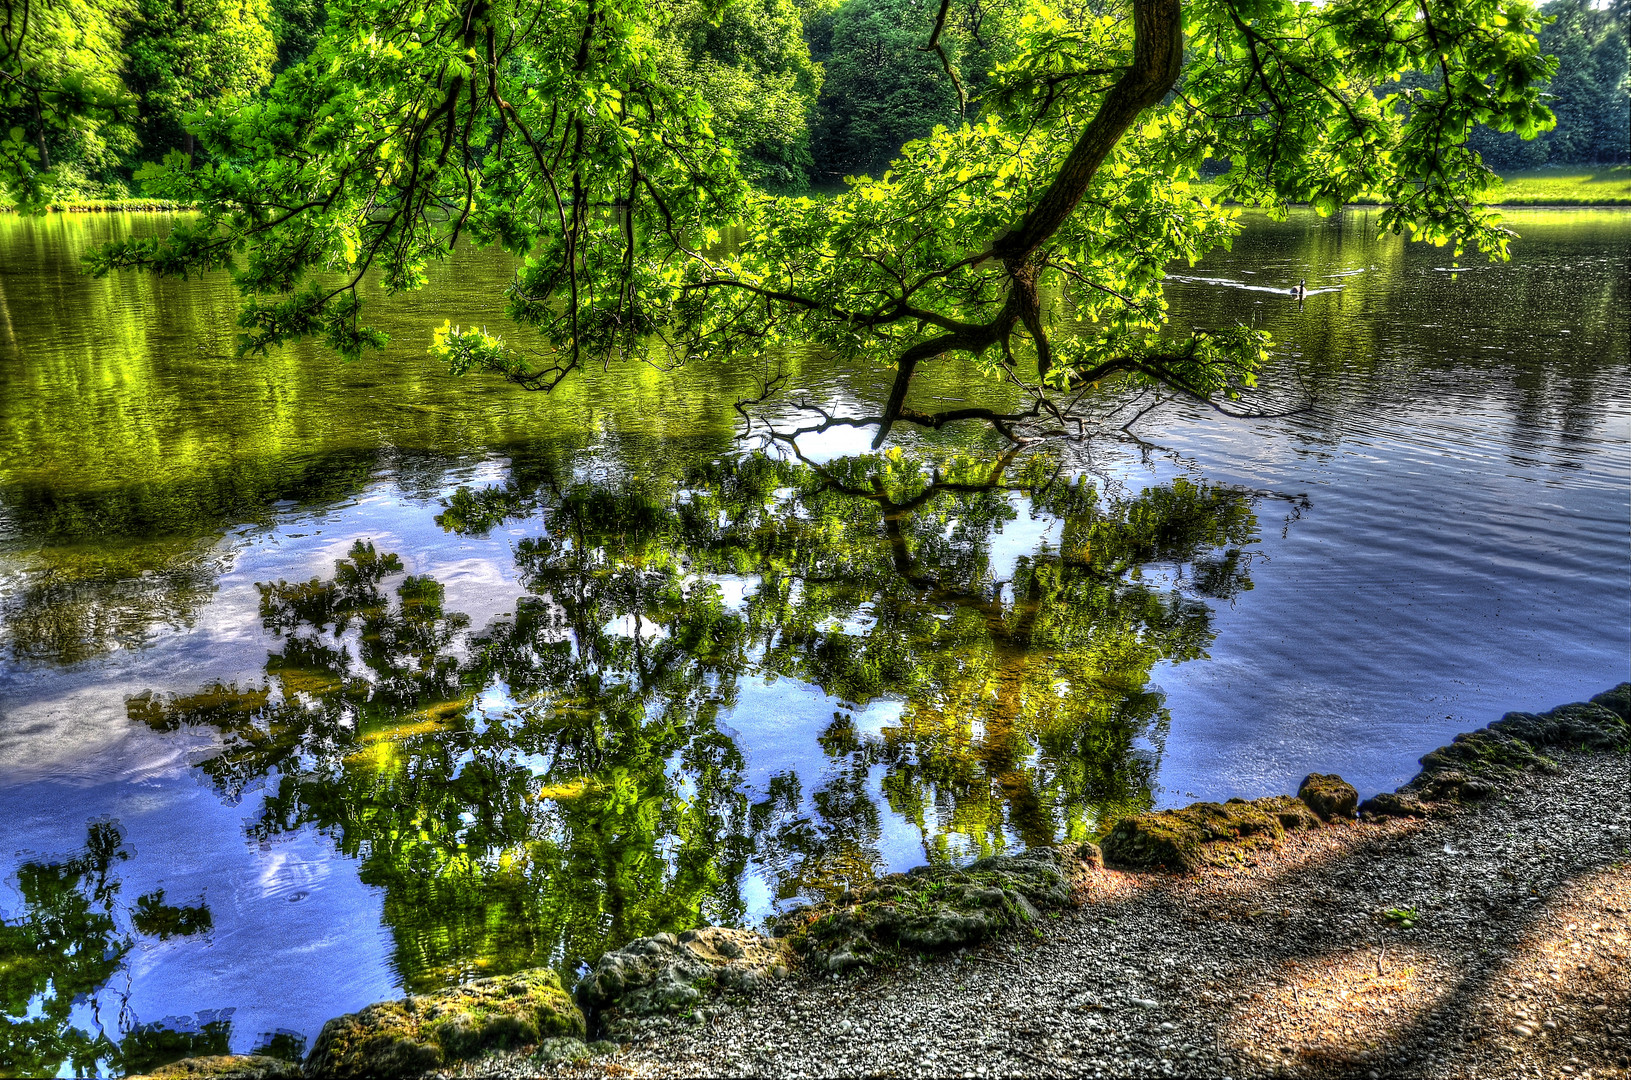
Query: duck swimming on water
1299,290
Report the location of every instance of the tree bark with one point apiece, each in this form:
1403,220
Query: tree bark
1158,57
39,135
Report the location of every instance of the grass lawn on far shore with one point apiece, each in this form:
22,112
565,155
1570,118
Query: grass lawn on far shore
75,204
1567,185
1573,185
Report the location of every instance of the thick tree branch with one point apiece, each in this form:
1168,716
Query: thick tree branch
1158,56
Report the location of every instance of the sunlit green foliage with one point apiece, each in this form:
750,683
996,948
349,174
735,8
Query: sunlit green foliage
187,55
62,94
1059,199
1590,93
94,88
748,60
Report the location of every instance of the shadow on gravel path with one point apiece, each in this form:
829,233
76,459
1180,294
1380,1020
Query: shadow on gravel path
1515,960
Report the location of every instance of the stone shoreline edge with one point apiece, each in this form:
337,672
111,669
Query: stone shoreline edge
657,982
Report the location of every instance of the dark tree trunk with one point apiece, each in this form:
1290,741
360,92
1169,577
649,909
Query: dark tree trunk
39,136
1158,57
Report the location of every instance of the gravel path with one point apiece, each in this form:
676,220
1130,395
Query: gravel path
1514,963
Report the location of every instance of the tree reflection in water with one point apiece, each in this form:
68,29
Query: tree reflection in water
59,954
562,780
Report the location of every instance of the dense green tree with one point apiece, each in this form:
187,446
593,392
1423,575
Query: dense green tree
888,84
189,54
1590,94
750,62
62,97
882,89
1059,201
296,26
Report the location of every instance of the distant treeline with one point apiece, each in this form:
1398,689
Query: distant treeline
809,91
1591,93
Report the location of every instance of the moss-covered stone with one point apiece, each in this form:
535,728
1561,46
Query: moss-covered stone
1088,855
1473,766
1579,726
1292,813
663,975
1392,804
932,909
1616,701
1477,764
225,1067
1451,785
1329,796
417,1034
1486,753
1204,833
385,1039
513,1010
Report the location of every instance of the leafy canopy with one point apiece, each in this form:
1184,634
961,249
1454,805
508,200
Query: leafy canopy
59,75
185,53
1032,235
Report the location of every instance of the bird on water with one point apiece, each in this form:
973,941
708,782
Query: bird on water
1300,290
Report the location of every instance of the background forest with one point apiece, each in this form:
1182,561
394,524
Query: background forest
809,91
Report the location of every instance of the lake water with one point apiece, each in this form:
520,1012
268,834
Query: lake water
319,682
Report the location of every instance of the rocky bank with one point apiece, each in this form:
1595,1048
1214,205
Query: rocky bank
1473,923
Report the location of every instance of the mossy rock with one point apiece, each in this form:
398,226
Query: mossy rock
1616,701
1088,855
1584,725
1452,785
1477,763
662,975
418,1034
385,1039
493,1014
1329,796
1039,875
1204,833
1488,754
1292,813
226,1067
1392,804
932,909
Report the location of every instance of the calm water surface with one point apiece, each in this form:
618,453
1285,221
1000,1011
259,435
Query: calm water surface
322,681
